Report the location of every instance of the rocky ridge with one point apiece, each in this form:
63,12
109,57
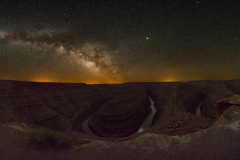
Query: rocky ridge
65,107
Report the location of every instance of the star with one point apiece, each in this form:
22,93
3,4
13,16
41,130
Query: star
68,42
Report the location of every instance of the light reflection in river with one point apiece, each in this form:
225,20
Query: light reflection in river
148,121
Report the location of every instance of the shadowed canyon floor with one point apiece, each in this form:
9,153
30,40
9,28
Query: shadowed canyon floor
194,120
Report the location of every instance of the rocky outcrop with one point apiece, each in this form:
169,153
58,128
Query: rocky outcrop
218,142
225,103
65,106
60,106
182,123
122,115
187,107
177,133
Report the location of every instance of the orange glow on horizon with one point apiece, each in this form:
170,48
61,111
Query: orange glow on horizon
108,81
105,82
43,79
96,81
169,79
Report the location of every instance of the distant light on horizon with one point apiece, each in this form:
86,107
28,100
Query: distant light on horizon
148,42
43,79
169,79
99,81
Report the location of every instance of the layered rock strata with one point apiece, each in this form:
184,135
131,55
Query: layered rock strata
122,115
65,106
60,106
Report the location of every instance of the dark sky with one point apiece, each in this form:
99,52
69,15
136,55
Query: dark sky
119,41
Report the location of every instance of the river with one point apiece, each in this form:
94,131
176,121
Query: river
148,121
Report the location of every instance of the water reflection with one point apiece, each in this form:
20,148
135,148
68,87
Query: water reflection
148,121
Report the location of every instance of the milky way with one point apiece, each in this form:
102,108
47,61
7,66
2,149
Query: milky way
119,41
86,60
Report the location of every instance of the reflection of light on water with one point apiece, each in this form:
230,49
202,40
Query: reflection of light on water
148,121
198,110
140,130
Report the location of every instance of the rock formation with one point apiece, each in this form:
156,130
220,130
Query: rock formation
64,106
225,103
58,106
122,115
195,120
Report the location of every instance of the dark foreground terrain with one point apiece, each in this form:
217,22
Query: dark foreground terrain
194,120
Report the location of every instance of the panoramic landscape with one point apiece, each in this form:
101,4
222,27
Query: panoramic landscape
119,80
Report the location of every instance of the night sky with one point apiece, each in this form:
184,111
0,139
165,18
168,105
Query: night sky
119,41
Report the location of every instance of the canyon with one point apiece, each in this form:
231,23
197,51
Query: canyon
111,117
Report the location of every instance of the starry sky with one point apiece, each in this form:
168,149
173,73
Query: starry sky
119,41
